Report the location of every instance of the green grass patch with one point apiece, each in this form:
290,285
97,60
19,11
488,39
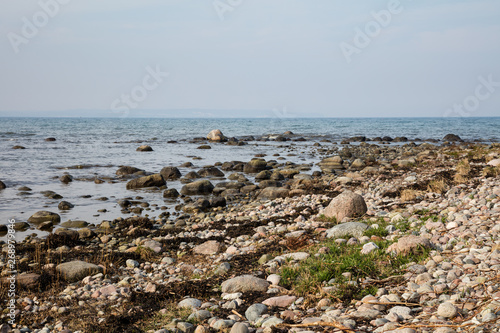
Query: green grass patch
323,218
309,276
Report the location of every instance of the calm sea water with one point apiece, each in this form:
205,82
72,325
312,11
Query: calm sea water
108,143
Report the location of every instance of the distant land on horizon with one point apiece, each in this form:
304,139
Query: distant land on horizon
194,113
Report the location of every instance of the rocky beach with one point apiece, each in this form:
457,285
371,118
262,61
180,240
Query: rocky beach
381,234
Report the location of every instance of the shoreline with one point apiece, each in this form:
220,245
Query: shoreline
153,263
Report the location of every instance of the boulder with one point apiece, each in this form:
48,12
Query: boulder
44,216
127,170
244,283
199,187
170,173
144,148
210,172
65,179
355,229
256,165
255,311
170,193
346,204
208,248
76,270
452,138
74,224
146,181
65,205
409,244
330,164
273,193
216,135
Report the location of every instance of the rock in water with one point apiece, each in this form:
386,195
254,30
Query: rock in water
452,138
76,270
127,170
44,216
216,135
144,148
146,181
256,165
244,283
330,164
198,187
2,185
346,204
170,173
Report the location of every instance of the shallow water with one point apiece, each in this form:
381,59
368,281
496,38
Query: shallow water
105,144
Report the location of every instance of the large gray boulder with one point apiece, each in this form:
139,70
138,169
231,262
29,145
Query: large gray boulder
244,283
44,216
155,180
76,270
199,187
355,229
346,204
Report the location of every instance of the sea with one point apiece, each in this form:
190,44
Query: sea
89,148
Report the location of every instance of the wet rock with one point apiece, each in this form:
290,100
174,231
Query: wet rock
346,204
409,244
192,175
204,147
256,165
85,233
355,229
210,172
273,193
330,164
155,180
208,248
170,173
216,135
170,193
50,139
74,224
127,170
144,148
18,147
65,205
244,283
199,187
65,179
2,185
76,270
452,138
18,226
218,202
43,216
263,175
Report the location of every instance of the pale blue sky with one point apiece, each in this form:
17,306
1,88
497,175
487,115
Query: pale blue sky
264,55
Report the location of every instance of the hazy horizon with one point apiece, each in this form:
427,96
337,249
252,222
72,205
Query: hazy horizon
285,58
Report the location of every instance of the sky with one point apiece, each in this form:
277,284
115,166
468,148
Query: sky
245,58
